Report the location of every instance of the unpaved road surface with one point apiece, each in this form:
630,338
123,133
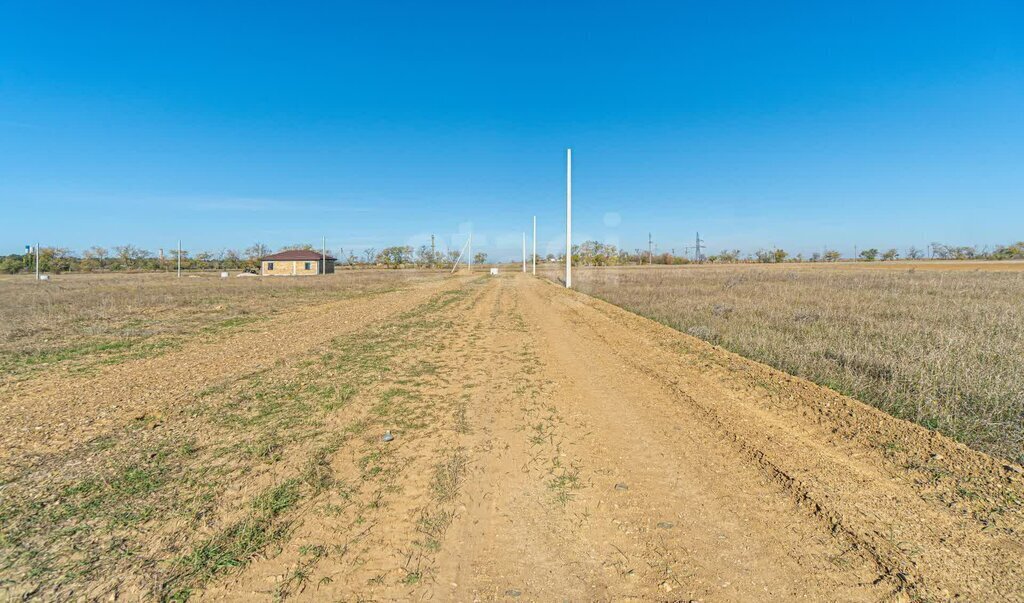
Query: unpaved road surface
546,446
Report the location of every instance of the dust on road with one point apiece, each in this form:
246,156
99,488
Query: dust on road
547,446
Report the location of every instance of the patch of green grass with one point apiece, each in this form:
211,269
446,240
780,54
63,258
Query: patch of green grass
389,400
93,353
64,353
401,408
564,484
232,323
213,390
333,397
119,499
80,524
235,545
265,448
371,465
143,349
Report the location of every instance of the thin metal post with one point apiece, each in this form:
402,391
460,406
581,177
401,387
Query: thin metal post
37,260
179,258
324,258
568,218
524,253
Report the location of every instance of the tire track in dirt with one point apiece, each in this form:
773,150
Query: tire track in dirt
516,528
49,413
838,471
659,509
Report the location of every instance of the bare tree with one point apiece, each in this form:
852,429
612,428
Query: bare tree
95,257
130,255
232,259
394,257
256,251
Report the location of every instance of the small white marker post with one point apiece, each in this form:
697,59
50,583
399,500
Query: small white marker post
568,218
524,253
535,246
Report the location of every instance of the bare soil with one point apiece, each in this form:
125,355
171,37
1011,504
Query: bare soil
546,446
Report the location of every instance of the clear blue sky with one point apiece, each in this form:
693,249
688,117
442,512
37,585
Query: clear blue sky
374,123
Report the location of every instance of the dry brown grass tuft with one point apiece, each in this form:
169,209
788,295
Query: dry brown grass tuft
944,349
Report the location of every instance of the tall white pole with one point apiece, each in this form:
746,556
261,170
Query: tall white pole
179,258
568,218
535,246
524,253
37,260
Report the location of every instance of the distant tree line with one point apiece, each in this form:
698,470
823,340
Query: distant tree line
596,253
588,253
125,258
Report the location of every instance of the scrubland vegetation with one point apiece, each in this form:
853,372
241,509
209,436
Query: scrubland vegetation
130,258
942,348
596,253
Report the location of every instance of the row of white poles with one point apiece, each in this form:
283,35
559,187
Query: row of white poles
469,243
568,226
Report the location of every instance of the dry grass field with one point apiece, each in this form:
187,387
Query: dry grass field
79,321
938,343
202,439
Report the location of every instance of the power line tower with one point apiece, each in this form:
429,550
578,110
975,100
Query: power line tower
650,249
697,256
433,252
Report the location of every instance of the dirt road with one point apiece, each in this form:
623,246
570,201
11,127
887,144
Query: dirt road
547,446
